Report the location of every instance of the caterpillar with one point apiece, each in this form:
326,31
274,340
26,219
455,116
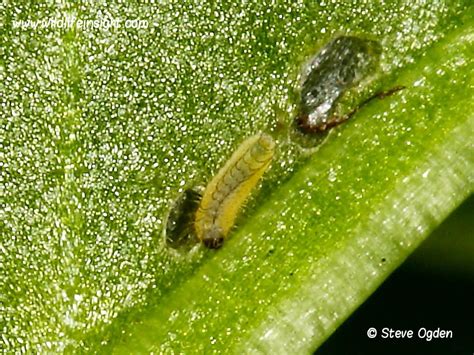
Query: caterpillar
229,189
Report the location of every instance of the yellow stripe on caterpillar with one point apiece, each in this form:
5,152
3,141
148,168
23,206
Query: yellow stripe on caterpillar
228,190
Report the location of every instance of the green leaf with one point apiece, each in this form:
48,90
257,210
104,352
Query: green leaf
103,129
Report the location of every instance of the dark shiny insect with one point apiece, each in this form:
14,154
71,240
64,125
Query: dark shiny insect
339,66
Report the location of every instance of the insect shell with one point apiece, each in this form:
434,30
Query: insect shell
179,222
339,66
229,189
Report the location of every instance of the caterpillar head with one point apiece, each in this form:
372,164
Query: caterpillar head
214,238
